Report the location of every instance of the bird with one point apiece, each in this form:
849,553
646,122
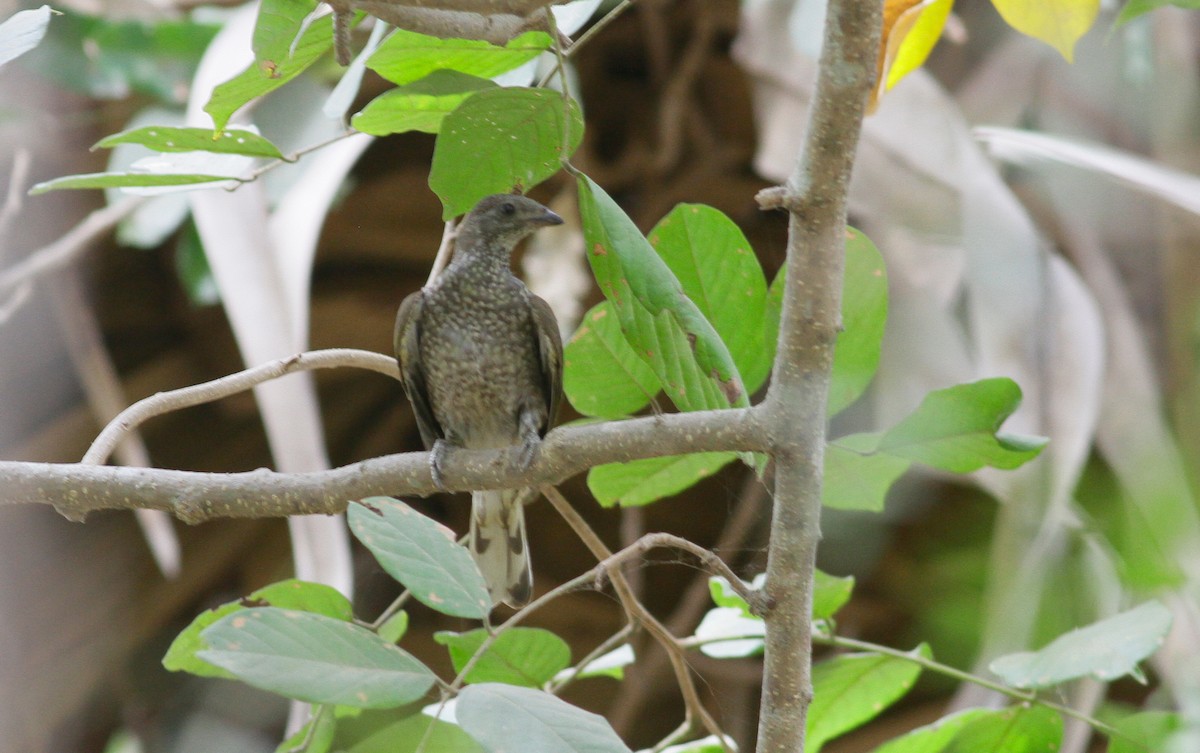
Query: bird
481,363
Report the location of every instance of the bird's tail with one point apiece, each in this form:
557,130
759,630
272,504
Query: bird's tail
499,546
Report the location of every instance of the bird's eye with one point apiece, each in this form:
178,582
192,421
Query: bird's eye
508,208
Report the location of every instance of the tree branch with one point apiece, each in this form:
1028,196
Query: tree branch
815,196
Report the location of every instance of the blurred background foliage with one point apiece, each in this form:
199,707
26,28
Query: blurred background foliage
1037,219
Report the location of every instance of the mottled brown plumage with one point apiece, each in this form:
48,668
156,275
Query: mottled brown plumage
481,362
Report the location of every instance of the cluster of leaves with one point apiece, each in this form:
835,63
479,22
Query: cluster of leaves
301,640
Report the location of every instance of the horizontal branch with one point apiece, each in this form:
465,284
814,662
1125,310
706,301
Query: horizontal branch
75,490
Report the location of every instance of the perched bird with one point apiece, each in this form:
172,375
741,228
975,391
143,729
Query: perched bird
481,362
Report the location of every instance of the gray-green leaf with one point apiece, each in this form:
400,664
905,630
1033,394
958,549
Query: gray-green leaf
505,717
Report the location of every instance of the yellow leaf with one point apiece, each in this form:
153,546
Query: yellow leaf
1058,23
910,30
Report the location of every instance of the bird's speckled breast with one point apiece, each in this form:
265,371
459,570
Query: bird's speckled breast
480,356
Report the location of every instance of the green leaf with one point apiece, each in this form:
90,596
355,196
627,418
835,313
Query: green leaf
275,63
933,738
422,555
406,56
602,376
506,717
830,593
394,628
169,139
852,689
957,429
127,180
857,478
22,31
1135,8
1019,729
640,482
710,744
401,731
530,657
1107,649
718,270
420,106
314,658
864,316
664,327
289,594
499,140
1147,731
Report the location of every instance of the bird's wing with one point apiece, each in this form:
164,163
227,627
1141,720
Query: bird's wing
406,339
550,350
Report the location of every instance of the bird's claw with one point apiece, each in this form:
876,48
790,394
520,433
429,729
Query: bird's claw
436,456
530,449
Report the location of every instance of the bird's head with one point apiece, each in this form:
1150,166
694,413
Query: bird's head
503,220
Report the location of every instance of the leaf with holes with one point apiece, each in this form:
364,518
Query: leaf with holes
422,555
170,139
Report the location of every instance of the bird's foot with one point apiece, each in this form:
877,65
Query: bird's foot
436,456
530,449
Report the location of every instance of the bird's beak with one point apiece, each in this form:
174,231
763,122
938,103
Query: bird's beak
546,218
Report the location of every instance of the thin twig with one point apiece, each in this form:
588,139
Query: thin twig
584,38
197,394
445,249
67,248
607,645
637,612
17,179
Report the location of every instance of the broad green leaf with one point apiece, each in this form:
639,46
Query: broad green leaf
664,327
851,689
499,140
1107,649
957,429
1058,23
519,656
129,180
912,37
1147,731
406,56
718,270
857,478
640,482
422,555
506,717
710,744
22,31
394,628
830,593
932,738
1019,729
275,62
170,139
730,633
602,376
864,316
310,657
419,106
1135,8
289,594
401,731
